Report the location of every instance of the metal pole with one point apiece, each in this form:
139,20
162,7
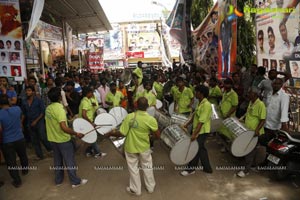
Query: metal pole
41,59
79,56
64,45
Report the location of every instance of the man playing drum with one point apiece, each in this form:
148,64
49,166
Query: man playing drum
228,107
59,135
136,127
113,97
87,111
201,129
255,120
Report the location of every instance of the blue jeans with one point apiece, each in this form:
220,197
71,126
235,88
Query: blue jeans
38,134
64,158
225,64
93,149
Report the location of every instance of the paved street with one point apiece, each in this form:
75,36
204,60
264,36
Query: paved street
108,178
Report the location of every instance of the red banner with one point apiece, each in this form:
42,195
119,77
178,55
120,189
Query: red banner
135,54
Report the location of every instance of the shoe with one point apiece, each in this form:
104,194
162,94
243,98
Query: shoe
38,159
132,192
16,184
150,191
1,183
242,174
59,184
88,154
101,155
187,173
82,182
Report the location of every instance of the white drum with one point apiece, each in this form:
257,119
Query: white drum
105,118
81,125
162,119
243,140
101,110
151,110
119,113
182,149
178,119
216,118
159,104
171,108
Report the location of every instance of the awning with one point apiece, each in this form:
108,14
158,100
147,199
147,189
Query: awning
84,16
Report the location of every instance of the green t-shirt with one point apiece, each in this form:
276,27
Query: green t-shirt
229,99
184,99
214,94
174,92
159,90
203,114
255,112
138,71
55,114
115,99
137,137
87,104
149,96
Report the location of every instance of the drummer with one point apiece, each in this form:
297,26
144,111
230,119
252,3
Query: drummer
58,134
201,129
136,127
184,98
147,93
255,120
215,93
114,97
228,107
87,110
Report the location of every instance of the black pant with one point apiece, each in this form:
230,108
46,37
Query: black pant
201,154
9,152
265,138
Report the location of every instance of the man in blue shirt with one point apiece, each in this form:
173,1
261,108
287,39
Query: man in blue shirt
34,111
13,139
12,95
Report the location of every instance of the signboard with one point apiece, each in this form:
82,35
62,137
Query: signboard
95,54
47,32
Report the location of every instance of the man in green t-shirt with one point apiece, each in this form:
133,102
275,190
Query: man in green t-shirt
255,120
136,127
113,97
59,135
184,98
201,128
87,111
228,107
215,93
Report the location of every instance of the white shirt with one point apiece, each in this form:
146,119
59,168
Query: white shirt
277,110
266,86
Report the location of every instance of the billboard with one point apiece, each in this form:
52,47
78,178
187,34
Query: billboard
12,62
277,36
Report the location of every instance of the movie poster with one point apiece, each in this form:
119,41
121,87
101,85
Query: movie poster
227,37
12,62
278,36
95,54
205,42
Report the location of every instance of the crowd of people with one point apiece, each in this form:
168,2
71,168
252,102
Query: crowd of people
40,114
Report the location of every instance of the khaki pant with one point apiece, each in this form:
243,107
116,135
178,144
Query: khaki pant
135,162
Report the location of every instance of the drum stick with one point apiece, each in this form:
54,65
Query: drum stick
188,150
249,143
96,127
